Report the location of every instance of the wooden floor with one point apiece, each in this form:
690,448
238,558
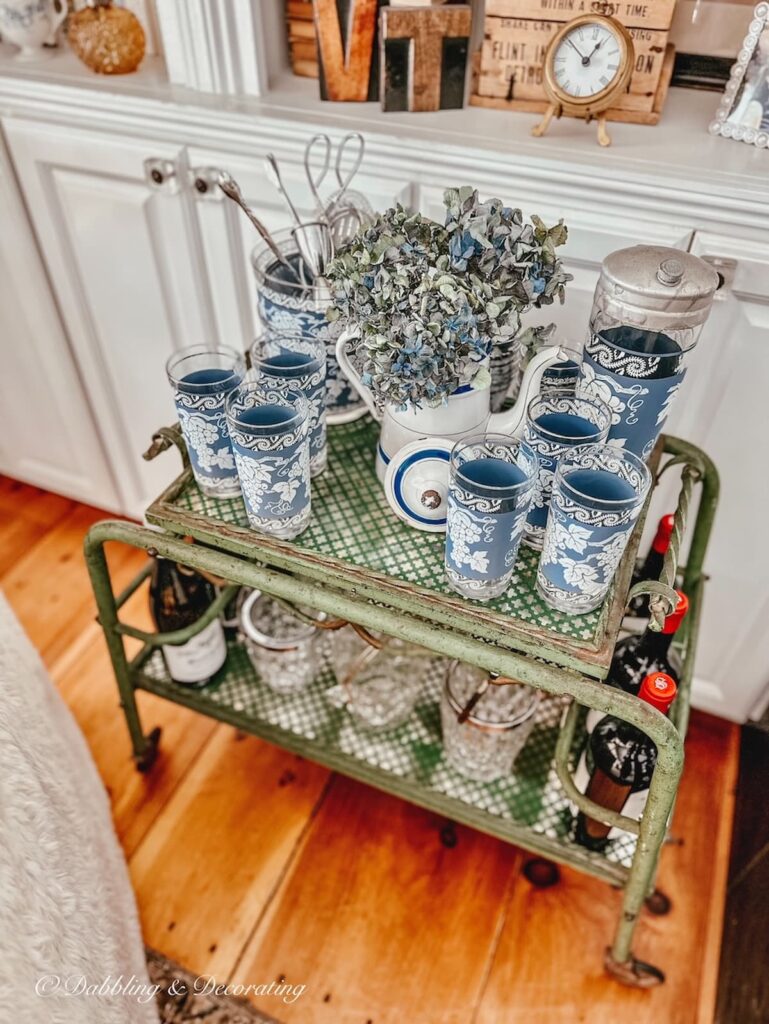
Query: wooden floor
254,865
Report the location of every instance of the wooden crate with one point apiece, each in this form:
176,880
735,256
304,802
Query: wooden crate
301,38
624,113
656,14
516,37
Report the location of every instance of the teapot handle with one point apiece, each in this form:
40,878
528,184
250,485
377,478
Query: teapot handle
352,374
511,421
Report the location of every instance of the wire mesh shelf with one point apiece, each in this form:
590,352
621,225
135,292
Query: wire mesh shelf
355,539
529,804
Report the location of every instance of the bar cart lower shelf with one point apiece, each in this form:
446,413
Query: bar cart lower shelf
533,808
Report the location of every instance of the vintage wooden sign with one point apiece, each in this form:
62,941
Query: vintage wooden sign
347,54
516,53
516,35
424,56
651,13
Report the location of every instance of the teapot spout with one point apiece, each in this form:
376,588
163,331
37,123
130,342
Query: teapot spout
511,421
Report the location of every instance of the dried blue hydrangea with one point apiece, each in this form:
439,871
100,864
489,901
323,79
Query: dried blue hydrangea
428,302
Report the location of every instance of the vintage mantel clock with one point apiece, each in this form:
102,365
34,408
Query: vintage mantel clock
587,68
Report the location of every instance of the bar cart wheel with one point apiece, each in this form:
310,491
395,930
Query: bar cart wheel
541,873
146,759
632,972
658,903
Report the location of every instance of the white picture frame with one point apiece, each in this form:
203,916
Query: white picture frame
743,113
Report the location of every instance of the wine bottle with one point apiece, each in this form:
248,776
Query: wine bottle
652,566
617,771
179,597
639,655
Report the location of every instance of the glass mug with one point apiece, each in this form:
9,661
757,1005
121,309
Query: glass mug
380,684
285,651
484,747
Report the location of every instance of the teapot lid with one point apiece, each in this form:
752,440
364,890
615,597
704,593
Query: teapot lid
417,483
660,278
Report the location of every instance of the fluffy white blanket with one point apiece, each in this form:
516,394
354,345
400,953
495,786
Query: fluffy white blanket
70,945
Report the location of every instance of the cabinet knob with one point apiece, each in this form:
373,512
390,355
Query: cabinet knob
161,175
204,182
726,268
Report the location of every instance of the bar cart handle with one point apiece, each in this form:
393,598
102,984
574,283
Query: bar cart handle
163,439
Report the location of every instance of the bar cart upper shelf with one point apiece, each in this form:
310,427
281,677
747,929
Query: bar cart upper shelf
357,562
355,542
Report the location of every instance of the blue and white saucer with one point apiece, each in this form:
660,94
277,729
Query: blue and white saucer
417,482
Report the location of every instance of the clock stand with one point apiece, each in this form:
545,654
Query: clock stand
556,109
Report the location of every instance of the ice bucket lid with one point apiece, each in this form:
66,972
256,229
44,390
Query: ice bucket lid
658,279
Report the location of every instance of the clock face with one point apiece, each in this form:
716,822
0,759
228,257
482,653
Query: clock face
587,60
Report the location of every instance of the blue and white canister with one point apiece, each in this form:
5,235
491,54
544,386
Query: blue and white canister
270,438
285,364
291,303
557,420
491,481
598,494
202,377
638,373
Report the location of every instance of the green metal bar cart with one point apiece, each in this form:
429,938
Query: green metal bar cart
358,563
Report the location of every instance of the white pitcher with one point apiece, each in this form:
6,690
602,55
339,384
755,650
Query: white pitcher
31,24
467,410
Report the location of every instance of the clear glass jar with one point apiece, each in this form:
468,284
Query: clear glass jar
285,651
380,685
484,747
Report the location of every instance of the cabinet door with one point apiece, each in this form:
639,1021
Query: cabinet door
118,255
48,437
593,234
226,239
725,410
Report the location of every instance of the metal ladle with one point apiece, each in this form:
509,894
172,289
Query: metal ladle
231,189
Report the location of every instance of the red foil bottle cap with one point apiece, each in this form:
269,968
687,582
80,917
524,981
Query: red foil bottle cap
674,620
664,532
659,690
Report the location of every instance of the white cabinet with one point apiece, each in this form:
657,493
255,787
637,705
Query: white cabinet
129,289
726,411
49,436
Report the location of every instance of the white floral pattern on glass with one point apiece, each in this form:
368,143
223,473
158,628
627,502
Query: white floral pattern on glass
201,434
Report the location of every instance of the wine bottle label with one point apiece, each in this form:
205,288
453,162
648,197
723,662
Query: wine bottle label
593,718
199,658
634,805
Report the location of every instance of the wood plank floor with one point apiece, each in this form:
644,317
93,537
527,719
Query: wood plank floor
256,866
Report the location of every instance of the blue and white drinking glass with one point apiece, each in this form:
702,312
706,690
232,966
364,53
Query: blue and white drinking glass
269,431
285,363
638,373
491,482
202,377
564,374
557,420
598,494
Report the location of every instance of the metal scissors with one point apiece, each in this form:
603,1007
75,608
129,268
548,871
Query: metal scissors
353,143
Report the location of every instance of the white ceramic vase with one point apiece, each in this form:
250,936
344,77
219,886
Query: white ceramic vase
467,411
30,24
